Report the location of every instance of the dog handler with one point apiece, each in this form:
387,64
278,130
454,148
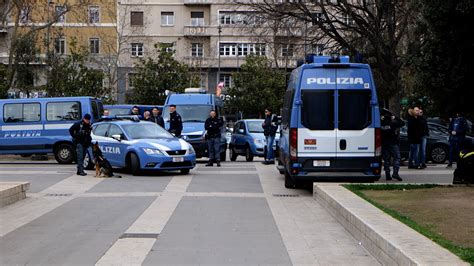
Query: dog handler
81,137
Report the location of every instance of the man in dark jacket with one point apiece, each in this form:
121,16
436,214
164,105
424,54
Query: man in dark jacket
415,134
176,123
270,127
391,144
156,117
458,128
81,137
424,140
213,126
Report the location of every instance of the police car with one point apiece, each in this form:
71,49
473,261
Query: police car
139,145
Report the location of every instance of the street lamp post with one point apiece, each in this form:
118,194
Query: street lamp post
219,30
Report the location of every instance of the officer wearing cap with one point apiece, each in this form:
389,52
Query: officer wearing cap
176,123
81,137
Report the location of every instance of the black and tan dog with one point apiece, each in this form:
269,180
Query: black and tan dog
103,168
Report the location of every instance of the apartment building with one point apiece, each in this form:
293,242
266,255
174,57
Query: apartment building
90,24
211,36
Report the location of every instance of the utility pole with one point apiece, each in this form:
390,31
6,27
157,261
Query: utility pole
219,30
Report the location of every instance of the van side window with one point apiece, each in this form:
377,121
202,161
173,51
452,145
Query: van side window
95,110
354,109
63,111
317,112
21,112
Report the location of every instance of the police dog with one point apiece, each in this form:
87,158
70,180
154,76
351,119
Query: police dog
103,168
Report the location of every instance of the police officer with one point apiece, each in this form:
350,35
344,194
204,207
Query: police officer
156,117
270,128
81,137
391,143
176,123
213,126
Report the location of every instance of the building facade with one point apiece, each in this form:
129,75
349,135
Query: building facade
212,36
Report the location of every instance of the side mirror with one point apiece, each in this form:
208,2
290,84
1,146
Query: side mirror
117,137
241,131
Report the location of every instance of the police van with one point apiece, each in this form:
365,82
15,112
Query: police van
194,109
41,125
330,126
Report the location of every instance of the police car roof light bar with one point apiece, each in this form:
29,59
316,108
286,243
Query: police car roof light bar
133,118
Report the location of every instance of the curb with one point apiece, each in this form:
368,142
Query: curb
11,192
388,240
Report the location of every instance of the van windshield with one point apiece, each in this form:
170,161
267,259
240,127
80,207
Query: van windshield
189,113
317,112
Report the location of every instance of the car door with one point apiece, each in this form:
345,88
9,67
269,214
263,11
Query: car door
240,137
115,150
355,127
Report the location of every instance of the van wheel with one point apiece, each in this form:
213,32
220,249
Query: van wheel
233,155
184,171
248,154
88,162
289,182
65,153
134,164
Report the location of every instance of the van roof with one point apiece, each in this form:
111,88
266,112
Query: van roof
49,99
190,99
328,62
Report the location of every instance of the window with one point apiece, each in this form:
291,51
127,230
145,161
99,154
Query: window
114,130
131,80
167,18
96,113
63,111
60,46
354,109
197,18
94,45
21,112
137,49
169,47
101,130
317,17
236,18
60,13
94,14
227,79
317,112
136,18
287,50
241,49
196,50
25,14
317,49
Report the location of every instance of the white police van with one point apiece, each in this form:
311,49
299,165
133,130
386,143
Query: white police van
41,125
330,123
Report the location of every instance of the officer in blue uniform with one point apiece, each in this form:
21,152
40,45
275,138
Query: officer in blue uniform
176,123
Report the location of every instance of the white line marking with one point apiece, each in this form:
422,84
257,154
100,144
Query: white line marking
22,127
58,126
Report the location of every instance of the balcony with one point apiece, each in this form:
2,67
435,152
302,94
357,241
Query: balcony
198,31
199,2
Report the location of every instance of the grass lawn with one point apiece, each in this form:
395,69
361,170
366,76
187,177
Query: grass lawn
444,214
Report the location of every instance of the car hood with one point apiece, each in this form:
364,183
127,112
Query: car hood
164,144
193,128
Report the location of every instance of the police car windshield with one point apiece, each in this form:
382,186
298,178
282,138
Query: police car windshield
190,113
146,131
255,126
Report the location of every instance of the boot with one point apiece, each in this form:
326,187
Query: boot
210,163
397,177
218,164
388,176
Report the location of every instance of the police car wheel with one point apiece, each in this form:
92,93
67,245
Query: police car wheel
248,154
134,164
233,155
64,154
184,171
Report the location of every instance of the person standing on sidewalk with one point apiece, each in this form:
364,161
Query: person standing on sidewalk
415,133
213,126
81,137
458,128
424,139
156,117
176,123
391,144
270,128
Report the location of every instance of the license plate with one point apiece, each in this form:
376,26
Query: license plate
178,159
321,163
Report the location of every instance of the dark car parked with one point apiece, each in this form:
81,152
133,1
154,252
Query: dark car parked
437,146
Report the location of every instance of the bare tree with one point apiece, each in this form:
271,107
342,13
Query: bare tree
375,29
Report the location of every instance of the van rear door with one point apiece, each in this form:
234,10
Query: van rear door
355,130
317,133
